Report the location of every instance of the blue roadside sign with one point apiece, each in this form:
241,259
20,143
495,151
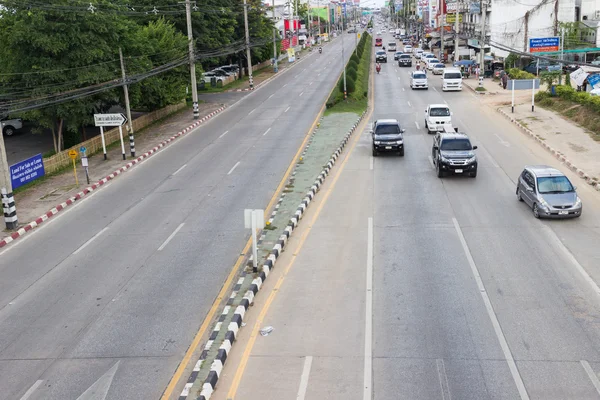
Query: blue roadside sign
82,149
594,80
27,171
537,45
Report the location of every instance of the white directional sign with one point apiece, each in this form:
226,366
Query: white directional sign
109,119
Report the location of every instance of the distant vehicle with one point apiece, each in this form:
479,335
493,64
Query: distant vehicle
407,48
418,80
438,69
231,69
404,60
381,57
436,116
548,192
451,79
387,136
544,65
378,42
418,53
397,55
391,46
220,72
10,126
431,62
453,153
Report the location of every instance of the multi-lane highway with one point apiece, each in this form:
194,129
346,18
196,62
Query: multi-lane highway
107,297
402,285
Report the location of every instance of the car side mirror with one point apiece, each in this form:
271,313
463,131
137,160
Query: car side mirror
425,111
474,147
574,187
403,130
436,148
451,113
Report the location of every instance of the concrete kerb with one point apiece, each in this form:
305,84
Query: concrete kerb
557,154
210,383
31,225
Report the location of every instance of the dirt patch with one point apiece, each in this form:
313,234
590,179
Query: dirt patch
582,116
577,148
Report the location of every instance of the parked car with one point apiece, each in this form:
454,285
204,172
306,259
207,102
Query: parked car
387,136
548,192
10,126
418,80
220,72
231,69
453,153
545,65
438,69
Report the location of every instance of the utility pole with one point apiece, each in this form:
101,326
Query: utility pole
275,69
343,61
188,14
483,16
248,55
8,200
456,55
127,107
442,30
562,53
319,18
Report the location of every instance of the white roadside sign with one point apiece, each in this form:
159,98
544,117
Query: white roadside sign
578,77
109,119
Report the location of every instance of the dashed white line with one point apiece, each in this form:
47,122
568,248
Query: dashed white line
443,377
403,88
512,366
434,88
304,378
371,162
285,85
265,134
410,105
502,141
180,168
417,125
31,390
223,134
251,111
86,244
368,359
287,109
171,236
300,95
271,96
310,83
233,168
591,374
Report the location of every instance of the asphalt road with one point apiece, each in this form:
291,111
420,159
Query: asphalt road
106,297
471,297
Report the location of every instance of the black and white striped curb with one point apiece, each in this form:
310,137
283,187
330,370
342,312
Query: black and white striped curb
236,323
592,181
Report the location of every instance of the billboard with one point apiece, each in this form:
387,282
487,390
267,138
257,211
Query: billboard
451,18
538,45
26,171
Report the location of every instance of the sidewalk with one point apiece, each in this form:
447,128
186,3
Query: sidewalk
46,193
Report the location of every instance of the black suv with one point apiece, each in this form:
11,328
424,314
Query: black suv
404,60
381,56
453,153
387,136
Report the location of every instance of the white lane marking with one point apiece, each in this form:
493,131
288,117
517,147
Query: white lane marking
409,104
319,74
285,85
512,366
304,378
31,390
310,83
417,124
591,374
395,70
371,162
434,88
267,131
223,134
303,70
572,259
502,141
180,168
171,236
287,109
271,96
368,368
86,244
251,111
233,168
444,387
301,94
431,161
403,88
99,390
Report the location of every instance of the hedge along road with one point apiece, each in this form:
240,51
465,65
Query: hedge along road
90,295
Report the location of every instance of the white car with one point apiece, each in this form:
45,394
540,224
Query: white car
10,126
418,80
407,48
451,79
438,69
436,117
427,56
431,62
418,53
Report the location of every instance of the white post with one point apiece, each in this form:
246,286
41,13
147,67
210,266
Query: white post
248,54
513,96
254,244
343,60
122,144
532,95
103,142
192,60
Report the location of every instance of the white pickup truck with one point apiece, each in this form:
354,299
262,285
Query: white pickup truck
10,126
436,117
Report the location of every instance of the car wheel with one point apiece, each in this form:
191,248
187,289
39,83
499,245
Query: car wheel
9,130
375,152
401,153
473,174
439,171
519,195
536,212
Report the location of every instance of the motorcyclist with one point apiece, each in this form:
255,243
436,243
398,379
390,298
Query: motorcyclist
383,48
320,49
378,67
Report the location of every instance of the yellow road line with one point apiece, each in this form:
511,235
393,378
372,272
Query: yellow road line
244,361
211,313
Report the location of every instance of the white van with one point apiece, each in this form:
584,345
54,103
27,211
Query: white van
436,117
451,80
418,53
391,46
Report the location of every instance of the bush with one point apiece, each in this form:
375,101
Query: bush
355,58
568,80
516,73
549,78
541,96
565,92
352,64
350,84
351,73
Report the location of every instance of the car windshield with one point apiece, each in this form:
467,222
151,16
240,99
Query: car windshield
439,65
387,130
456,145
392,44
379,53
452,75
439,112
433,61
554,184
404,56
419,76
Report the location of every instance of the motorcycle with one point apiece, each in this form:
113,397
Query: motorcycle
320,50
378,68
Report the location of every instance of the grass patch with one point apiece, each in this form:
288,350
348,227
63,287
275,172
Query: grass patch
480,89
349,106
582,115
235,84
